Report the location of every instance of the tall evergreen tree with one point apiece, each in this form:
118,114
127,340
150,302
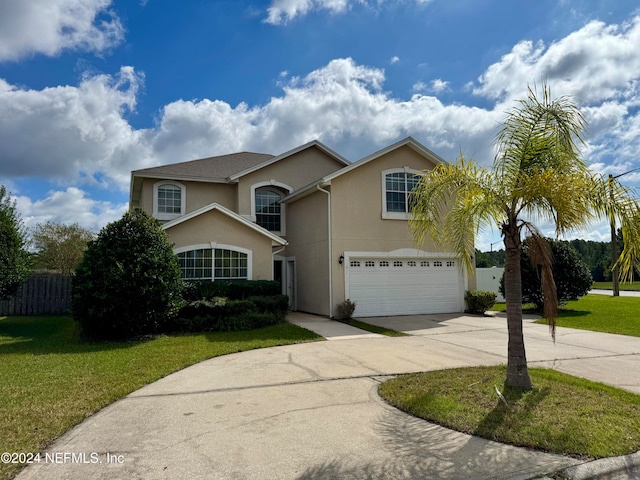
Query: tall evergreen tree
14,257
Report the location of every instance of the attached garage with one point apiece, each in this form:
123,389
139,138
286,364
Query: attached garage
383,286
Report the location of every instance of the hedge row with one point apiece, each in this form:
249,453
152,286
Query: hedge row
220,314
231,289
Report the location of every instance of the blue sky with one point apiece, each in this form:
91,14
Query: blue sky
92,89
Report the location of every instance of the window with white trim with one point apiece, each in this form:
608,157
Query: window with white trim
213,264
355,263
398,187
268,208
369,263
397,263
168,200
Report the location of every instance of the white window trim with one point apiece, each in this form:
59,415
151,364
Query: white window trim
271,183
395,215
183,200
221,246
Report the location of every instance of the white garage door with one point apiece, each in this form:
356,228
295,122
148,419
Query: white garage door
405,286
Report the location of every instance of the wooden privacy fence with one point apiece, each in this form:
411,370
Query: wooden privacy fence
41,294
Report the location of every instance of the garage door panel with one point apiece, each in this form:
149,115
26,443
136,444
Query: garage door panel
412,286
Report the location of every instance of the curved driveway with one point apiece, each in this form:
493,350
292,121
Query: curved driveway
311,411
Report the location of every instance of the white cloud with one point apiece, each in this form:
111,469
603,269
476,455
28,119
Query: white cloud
419,87
280,12
595,63
66,131
50,26
394,59
439,86
69,206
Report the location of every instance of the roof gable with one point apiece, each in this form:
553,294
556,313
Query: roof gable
409,142
217,207
313,144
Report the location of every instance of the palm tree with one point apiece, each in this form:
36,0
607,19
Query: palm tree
538,175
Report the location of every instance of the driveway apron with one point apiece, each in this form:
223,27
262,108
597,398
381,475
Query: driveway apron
311,411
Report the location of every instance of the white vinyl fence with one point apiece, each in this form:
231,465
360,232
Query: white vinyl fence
489,279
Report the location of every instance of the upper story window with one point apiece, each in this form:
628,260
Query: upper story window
268,210
397,185
168,200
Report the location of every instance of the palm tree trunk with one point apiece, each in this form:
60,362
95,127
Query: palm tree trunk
517,371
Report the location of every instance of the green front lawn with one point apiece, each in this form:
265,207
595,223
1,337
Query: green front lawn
50,380
562,414
600,313
635,286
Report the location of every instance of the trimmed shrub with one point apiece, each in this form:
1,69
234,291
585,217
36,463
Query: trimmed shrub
479,301
345,309
221,315
231,289
571,275
277,305
128,283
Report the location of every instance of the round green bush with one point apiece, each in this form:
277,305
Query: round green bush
128,283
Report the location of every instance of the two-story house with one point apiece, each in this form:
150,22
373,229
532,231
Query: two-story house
323,227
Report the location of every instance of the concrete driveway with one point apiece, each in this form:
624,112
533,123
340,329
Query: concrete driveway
311,411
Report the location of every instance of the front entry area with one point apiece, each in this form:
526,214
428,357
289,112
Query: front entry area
387,286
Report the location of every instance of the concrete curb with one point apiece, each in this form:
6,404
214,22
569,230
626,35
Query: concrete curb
613,468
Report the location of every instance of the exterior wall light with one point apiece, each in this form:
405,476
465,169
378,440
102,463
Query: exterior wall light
341,259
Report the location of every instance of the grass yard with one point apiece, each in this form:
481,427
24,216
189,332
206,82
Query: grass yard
602,313
50,380
634,286
562,414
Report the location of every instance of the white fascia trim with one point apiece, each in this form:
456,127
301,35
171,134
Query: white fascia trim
221,246
410,141
178,178
183,200
215,206
313,143
271,183
395,215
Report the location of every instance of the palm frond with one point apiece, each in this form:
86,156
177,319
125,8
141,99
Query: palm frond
451,203
539,134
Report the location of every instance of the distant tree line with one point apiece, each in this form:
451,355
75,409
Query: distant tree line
595,255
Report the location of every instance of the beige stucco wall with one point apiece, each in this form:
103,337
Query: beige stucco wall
215,226
295,171
357,213
198,194
307,235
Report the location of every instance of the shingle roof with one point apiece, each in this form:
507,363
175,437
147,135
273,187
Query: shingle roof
212,168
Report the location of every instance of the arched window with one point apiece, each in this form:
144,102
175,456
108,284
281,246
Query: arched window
168,200
397,185
268,208
214,264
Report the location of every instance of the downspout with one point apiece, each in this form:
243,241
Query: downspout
330,249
